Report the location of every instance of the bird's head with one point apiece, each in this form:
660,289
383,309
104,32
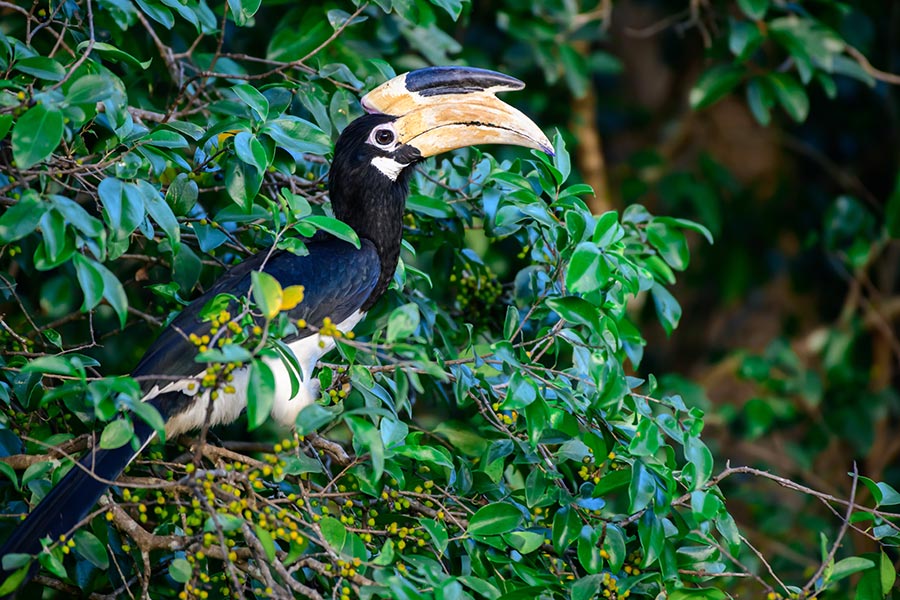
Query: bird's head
420,114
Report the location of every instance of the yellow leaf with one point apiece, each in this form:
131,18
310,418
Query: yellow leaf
225,135
293,295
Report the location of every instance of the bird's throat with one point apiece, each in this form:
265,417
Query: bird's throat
374,209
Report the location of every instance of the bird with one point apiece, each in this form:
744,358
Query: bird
407,119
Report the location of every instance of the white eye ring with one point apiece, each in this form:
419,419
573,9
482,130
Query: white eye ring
383,136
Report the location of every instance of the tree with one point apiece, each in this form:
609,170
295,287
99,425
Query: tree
493,429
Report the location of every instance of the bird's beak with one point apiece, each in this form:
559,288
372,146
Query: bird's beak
444,108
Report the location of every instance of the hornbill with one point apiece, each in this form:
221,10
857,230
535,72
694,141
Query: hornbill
409,118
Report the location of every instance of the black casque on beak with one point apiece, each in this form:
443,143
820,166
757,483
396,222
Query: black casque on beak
443,108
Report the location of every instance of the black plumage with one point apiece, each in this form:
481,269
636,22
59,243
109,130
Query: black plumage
414,116
338,279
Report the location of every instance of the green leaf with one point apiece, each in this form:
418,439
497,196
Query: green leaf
182,194
337,228
160,14
433,455
53,226
566,527
161,212
614,544
260,393
462,438
253,98
561,159
480,586
242,182
438,533
298,136
243,10
426,205
887,573
670,243
123,203
88,546
887,495
755,9
77,216
587,270
90,89
15,580
575,310
525,542
641,489
180,570
367,438
186,269
116,434
585,588
790,94
687,224
535,487
849,566
251,151
667,308
113,291
41,67
333,532
647,439
705,505
715,84
90,280
386,556
58,365
699,456
6,122
36,135
588,552
229,352
726,525
22,217
224,521
113,54
494,519
148,413
743,39
52,563
267,293
314,416
192,130
403,322
53,337
165,138
453,7
266,541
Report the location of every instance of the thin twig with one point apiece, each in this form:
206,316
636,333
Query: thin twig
851,504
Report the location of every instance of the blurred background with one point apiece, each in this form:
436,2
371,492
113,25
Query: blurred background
770,124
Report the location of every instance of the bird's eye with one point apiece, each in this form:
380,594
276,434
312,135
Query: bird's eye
384,137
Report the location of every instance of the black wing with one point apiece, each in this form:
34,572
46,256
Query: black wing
338,279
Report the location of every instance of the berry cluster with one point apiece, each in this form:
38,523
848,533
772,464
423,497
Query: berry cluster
477,293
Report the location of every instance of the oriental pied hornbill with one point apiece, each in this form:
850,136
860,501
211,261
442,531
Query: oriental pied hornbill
411,117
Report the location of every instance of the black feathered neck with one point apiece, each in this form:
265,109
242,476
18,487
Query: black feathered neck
368,200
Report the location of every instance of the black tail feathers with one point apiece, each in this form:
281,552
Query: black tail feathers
63,508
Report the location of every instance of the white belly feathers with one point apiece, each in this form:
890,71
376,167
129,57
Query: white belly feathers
227,407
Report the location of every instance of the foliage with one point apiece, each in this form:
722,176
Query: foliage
488,433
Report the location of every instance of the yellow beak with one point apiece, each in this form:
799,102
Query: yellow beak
444,108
